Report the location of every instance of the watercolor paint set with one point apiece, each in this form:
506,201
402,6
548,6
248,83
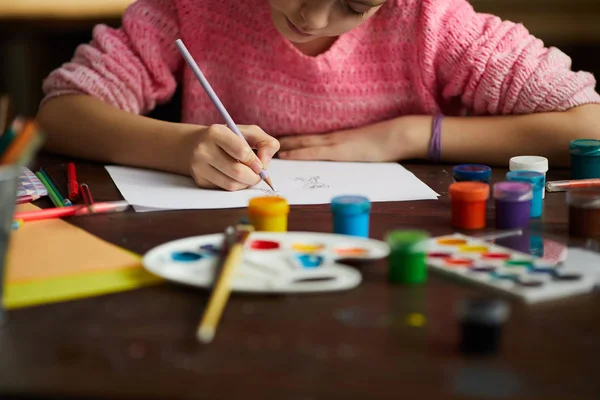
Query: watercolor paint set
273,262
504,270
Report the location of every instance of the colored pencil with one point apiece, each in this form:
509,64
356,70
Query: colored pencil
86,194
72,184
220,294
20,144
215,99
65,201
563,186
77,210
53,196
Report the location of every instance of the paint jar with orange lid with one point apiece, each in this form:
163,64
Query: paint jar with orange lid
269,213
469,201
584,213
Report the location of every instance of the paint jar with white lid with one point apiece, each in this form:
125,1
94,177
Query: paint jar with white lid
530,163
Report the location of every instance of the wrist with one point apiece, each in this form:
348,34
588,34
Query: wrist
186,138
417,137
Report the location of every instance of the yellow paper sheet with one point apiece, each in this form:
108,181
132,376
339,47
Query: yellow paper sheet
52,260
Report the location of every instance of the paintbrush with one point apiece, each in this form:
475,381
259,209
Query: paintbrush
222,288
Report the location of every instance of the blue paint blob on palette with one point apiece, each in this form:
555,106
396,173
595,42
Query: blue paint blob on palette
504,270
310,260
273,262
186,256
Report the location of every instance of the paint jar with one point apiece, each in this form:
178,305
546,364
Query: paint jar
481,322
536,179
585,158
469,200
513,204
584,213
269,213
407,258
351,215
530,163
472,172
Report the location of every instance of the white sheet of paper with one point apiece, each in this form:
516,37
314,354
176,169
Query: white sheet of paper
300,182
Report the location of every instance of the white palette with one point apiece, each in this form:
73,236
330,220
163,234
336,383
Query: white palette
521,275
273,262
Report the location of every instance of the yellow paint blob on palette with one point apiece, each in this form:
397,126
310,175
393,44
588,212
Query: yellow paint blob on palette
307,247
504,270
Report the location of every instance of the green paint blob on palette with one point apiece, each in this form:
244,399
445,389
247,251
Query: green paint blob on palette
273,262
503,270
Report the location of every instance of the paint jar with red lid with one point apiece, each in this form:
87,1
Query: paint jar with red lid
469,204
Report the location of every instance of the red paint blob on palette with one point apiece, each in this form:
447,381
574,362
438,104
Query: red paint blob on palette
264,245
496,256
459,262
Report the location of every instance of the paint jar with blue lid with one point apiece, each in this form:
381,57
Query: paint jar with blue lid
472,172
513,204
536,179
585,158
351,215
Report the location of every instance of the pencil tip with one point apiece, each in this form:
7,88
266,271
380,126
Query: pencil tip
268,182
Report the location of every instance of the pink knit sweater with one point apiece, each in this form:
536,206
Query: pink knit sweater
412,57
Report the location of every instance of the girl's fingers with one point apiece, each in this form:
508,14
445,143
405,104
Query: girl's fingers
236,171
235,147
218,179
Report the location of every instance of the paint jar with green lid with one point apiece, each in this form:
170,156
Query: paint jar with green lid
585,158
407,259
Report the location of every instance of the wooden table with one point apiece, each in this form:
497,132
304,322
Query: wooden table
349,345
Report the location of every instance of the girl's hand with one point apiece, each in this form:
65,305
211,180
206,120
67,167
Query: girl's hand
217,150
393,140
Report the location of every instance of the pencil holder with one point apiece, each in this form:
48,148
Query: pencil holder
8,196
269,213
351,215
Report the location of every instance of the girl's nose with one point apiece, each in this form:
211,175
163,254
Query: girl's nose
315,16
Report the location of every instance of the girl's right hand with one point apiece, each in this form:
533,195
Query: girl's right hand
221,159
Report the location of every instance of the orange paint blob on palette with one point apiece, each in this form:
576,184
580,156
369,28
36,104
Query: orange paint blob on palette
458,262
352,251
451,242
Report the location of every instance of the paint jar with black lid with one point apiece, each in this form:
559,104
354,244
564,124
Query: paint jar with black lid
482,321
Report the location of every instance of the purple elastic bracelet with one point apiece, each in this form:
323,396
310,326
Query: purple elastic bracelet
435,145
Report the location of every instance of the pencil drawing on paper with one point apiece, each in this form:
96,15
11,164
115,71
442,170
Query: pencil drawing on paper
269,192
311,182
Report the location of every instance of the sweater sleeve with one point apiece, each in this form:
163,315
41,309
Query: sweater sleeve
496,67
132,68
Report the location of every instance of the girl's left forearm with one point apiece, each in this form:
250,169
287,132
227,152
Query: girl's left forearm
494,140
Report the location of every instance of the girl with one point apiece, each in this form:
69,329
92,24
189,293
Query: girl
352,80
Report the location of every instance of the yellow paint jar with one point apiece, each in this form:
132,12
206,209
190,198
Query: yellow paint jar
269,213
